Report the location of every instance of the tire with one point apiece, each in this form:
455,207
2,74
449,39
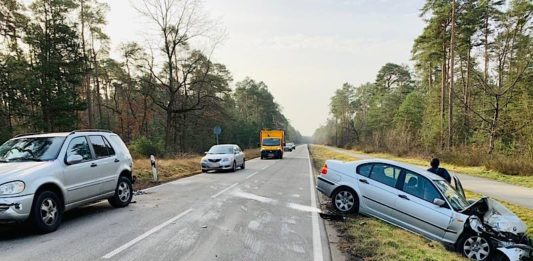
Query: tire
475,247
123,193
46,212
243,166
204,171
345,201
234,167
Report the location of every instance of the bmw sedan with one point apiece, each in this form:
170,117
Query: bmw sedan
422,202
223,157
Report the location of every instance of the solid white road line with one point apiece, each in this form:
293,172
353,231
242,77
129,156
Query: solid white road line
251,175
143,236
224,190
317,242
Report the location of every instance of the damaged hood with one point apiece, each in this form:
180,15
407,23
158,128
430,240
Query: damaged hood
496,216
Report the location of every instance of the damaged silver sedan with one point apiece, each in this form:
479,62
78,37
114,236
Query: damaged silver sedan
422,202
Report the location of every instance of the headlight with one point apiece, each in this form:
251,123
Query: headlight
204,160
11,188
225,159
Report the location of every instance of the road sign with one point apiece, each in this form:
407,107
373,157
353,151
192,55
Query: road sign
217,130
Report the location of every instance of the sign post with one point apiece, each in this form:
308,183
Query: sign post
217,130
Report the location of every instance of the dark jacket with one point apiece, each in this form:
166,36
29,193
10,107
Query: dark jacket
441,172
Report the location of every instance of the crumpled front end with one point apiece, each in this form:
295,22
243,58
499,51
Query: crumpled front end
507,233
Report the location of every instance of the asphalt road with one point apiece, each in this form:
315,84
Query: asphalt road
266,212
511,193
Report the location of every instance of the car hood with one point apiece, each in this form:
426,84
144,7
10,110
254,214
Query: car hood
496,216
10,169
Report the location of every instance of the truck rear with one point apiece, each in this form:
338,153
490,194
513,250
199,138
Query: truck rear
272,143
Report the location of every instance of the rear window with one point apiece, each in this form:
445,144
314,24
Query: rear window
99,146
364,169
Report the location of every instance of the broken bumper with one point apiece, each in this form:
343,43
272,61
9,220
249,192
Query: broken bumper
15,208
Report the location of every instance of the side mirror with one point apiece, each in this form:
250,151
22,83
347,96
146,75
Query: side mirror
74,159
439,202
205,152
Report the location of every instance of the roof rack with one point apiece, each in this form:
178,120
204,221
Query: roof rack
91,130
27,134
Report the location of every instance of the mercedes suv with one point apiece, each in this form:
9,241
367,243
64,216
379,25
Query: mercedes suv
43,175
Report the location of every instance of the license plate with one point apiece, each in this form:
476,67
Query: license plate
271,154
214,165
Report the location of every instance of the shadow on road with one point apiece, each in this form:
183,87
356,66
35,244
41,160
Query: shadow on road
17,231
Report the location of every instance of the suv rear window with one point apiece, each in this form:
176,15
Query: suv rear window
99,145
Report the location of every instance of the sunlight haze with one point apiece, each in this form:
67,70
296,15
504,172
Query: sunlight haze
303,50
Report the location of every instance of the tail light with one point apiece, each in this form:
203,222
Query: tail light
324,169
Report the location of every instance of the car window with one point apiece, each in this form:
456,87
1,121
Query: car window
364,169
420,187
79,146
99,146
385,174
110,149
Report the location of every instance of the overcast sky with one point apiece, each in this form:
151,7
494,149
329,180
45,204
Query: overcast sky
302,49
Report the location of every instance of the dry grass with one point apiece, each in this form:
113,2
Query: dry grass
366,238
172,168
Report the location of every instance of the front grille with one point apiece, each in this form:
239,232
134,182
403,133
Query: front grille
214,160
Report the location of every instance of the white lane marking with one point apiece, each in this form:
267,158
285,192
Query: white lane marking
251,175
317,242
224,190
303,207
146,234
265,167
255,197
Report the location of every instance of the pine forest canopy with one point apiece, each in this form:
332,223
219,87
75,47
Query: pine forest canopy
56,74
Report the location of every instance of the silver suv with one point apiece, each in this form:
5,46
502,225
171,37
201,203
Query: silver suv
43,175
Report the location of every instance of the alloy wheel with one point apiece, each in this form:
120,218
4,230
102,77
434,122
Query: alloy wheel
49,211
344,201
123,192
476,248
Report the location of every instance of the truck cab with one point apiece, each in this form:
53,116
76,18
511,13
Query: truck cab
272,143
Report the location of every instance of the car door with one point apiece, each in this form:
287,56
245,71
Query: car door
80,179
107,163
415,209
239,156
378,191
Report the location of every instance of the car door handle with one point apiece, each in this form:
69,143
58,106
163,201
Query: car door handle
403,196
94,165
117,160
363,181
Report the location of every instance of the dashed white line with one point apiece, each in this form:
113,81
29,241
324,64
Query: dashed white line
251,175
224,190
146,234
317,242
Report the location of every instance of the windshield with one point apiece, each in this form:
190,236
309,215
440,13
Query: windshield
221,150
271,142
457,201
31,149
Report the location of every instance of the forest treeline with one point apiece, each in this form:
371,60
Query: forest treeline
57,74
469,97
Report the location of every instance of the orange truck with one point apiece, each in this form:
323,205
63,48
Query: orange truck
272,143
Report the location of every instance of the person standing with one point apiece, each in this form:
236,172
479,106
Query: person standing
442,172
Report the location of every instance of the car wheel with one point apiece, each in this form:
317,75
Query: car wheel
204,171
475,247
234,167
47,212
123,193
345,201
243,166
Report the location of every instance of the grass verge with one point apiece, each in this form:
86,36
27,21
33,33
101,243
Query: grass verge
479,171
172,168
366,238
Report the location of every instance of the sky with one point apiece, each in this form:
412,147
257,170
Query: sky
302,49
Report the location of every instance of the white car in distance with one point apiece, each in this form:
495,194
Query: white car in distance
223,157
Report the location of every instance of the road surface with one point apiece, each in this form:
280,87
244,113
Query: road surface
265,212
511,193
